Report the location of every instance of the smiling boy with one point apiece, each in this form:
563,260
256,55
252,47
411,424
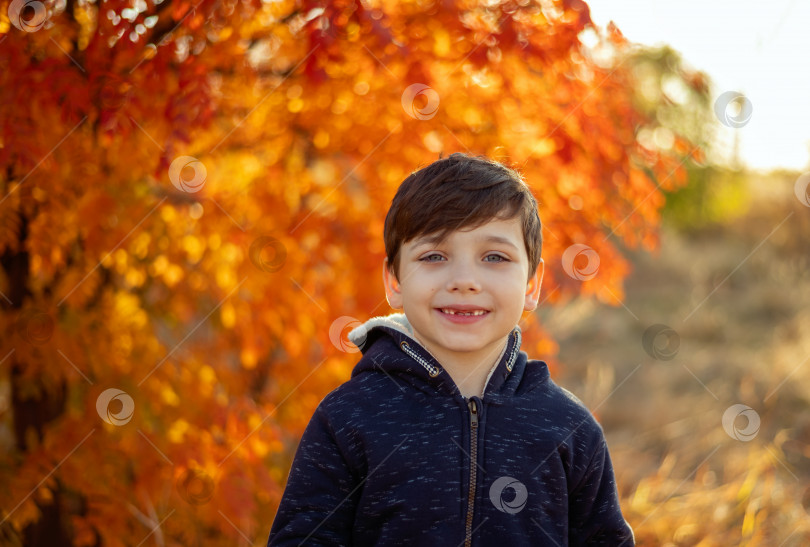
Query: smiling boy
447,433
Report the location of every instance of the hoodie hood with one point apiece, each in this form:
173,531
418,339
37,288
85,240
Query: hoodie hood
388,345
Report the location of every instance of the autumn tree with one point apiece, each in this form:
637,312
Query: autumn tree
191,208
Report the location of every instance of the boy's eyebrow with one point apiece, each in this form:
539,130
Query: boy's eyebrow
503,240
433,239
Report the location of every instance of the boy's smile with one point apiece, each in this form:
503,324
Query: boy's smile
464,295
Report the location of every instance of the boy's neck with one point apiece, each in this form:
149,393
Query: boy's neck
470,372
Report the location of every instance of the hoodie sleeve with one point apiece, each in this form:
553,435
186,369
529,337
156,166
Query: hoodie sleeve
594,515
318,504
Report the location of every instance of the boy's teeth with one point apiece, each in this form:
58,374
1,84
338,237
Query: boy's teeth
452,312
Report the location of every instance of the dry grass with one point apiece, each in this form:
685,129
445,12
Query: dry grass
738,296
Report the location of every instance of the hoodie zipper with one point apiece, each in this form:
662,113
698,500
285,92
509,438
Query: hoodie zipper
474,409
473,466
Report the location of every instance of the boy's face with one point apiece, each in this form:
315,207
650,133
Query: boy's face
482,269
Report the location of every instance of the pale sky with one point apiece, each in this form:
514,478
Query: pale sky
756,47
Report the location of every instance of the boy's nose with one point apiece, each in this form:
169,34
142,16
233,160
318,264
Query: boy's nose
463,278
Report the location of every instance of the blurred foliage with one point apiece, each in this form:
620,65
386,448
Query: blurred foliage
679,98
713,195
668,90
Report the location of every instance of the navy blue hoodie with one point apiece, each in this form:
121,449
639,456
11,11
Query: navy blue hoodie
397,456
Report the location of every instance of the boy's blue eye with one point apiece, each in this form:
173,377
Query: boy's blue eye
502,259
428,257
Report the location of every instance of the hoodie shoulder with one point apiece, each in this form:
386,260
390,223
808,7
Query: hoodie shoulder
374,382
345,396
577,413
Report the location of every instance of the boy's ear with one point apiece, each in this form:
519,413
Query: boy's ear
393,291
533,288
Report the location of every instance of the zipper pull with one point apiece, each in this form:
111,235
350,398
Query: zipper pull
473,413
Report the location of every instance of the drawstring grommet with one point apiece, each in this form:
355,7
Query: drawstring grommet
433,371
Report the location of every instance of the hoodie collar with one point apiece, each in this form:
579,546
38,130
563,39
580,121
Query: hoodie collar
396,330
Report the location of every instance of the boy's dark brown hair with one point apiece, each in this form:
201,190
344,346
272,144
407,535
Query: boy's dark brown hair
460,191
